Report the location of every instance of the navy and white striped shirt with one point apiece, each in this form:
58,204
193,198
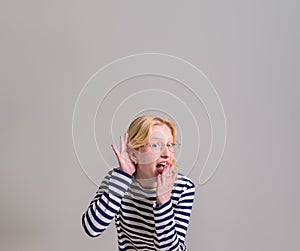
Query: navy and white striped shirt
141,224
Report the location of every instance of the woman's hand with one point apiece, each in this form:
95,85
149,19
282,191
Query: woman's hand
165,182
123,157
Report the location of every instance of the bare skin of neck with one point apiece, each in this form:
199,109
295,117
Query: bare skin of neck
146,182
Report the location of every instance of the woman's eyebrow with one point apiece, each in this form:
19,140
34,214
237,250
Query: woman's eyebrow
171,137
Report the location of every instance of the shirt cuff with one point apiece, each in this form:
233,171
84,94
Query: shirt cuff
161,208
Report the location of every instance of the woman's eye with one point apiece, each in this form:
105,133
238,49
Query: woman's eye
155,144
170,144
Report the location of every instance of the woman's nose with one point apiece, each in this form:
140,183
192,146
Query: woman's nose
165,152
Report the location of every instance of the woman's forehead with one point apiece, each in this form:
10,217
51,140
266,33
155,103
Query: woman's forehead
161,132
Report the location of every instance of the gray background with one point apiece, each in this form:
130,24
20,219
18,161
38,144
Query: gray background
248,49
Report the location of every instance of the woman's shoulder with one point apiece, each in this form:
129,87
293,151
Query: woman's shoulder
115,171
183,182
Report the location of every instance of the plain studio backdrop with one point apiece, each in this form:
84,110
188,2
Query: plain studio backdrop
249,50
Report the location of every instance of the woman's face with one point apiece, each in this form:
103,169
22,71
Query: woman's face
150,161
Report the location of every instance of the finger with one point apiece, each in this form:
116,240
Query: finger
164,172
126,138
126,148
122,143
174,176
115,151
168,172
158,180
164,175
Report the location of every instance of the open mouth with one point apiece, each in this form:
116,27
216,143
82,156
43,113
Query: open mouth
160,166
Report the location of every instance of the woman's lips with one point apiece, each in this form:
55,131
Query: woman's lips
162,165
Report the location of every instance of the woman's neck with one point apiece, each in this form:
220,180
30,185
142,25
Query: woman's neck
146,182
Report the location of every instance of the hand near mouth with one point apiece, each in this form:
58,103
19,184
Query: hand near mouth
161,166
165,182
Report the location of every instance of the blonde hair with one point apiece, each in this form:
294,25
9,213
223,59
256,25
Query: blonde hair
140,129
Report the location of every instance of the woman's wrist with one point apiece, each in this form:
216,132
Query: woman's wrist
127,170
161,202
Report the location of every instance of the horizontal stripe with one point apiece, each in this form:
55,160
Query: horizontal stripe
141,224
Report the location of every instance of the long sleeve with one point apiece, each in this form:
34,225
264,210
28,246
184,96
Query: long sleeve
171,221
106,202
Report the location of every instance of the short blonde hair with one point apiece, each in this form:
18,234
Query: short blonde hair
140,129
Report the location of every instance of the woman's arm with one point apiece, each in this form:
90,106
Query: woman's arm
106,202
171,221
108,198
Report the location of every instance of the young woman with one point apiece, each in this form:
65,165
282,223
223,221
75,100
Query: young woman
150,203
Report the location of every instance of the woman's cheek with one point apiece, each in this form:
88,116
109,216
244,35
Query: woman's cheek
147,157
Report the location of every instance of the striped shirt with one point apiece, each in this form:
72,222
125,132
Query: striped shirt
141,224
